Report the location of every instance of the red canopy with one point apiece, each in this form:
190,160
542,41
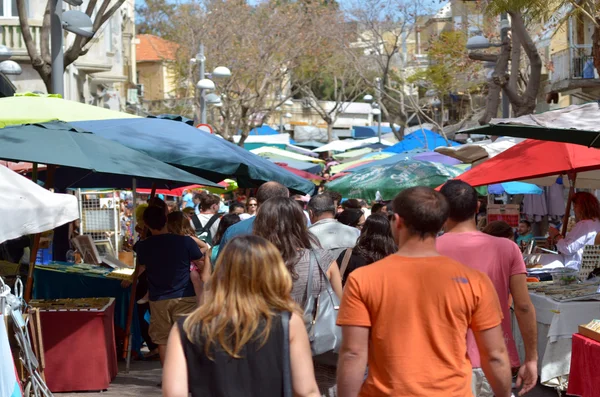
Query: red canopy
300,173
536,159
177,191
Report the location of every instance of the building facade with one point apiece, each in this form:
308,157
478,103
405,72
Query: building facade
101,77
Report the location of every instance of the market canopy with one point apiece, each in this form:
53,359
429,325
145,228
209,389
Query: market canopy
385,182
347,144
33,108
574,124
299,165
85,154
421,156
473,152
195,151
268,150
420,139
300,173
539,162
28,208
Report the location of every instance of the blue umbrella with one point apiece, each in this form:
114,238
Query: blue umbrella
514,188
195,151
421,139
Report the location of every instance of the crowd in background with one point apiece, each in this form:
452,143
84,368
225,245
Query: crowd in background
220,285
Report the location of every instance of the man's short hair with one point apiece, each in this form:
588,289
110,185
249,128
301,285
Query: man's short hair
235,205
199,196
526,222
155,217
462,199
269,190
335,196
377,207
208,200
321,204
351,204
423,210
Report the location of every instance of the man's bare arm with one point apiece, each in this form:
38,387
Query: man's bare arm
352,362
494,360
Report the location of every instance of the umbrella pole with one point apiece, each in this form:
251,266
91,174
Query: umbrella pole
128,336
36,239
572,180
32,258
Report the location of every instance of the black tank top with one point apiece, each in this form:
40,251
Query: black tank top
258,373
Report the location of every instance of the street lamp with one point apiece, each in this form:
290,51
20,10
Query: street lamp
205,84
9,67
5,53
72,21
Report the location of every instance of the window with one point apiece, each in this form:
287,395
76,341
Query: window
458,22
8,8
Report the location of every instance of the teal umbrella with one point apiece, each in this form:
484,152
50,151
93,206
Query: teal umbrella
86,155
390,179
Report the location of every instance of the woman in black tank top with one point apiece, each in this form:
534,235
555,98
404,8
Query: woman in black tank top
233,344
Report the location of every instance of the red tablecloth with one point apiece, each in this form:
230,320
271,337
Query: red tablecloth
584,377
79,349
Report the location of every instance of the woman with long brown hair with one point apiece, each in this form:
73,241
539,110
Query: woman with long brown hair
232,345
281,221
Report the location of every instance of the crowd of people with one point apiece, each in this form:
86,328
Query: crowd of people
420,314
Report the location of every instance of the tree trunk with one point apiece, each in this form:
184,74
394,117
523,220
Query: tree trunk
329,132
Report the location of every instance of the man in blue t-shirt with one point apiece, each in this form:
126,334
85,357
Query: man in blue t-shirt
188,200
166,258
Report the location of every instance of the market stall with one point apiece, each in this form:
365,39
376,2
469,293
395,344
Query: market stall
558,317
585,365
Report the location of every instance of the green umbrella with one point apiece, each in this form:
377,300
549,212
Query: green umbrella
85,154
390,179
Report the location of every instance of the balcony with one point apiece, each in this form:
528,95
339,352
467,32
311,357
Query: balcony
10,36
573,68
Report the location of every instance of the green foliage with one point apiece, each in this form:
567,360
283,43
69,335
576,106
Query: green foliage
153,17
450,68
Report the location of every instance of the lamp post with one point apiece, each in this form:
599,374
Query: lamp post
206,84
480,42
72,21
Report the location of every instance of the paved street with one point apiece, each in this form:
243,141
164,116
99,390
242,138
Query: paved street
144,376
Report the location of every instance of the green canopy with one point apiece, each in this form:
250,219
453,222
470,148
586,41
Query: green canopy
56,143
33,108
390,179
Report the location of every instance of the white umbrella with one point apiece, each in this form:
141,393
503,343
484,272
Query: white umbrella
28,208
475,152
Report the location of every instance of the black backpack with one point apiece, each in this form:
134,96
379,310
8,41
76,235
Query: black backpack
203,232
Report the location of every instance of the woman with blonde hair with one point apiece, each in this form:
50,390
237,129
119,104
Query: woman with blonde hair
233,344
587,214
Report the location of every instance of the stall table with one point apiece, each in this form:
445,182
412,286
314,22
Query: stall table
79,347
557,322
584,379
50,283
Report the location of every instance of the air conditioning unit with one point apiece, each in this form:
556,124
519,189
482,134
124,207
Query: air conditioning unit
140,90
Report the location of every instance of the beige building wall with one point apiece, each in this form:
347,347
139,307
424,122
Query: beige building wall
150,74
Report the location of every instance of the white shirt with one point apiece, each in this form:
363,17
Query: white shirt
204,218
571,247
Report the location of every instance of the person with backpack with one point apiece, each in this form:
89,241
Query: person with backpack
206,221
281,221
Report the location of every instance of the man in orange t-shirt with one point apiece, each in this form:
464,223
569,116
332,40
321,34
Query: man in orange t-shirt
407,315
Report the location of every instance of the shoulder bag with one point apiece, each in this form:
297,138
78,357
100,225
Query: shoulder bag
320,316
345,262
287,373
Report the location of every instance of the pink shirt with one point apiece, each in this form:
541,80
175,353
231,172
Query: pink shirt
499,258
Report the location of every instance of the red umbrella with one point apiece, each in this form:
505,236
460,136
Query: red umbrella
300,173
532,159
177,191
536,159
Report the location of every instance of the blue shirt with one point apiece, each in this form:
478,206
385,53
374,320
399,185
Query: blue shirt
167,258
242,228
188,200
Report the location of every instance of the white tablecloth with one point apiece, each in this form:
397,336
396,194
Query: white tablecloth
557,322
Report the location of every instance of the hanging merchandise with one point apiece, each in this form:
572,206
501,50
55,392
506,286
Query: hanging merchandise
12,305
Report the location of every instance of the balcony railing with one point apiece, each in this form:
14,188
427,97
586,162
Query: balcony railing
10,35
572,64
